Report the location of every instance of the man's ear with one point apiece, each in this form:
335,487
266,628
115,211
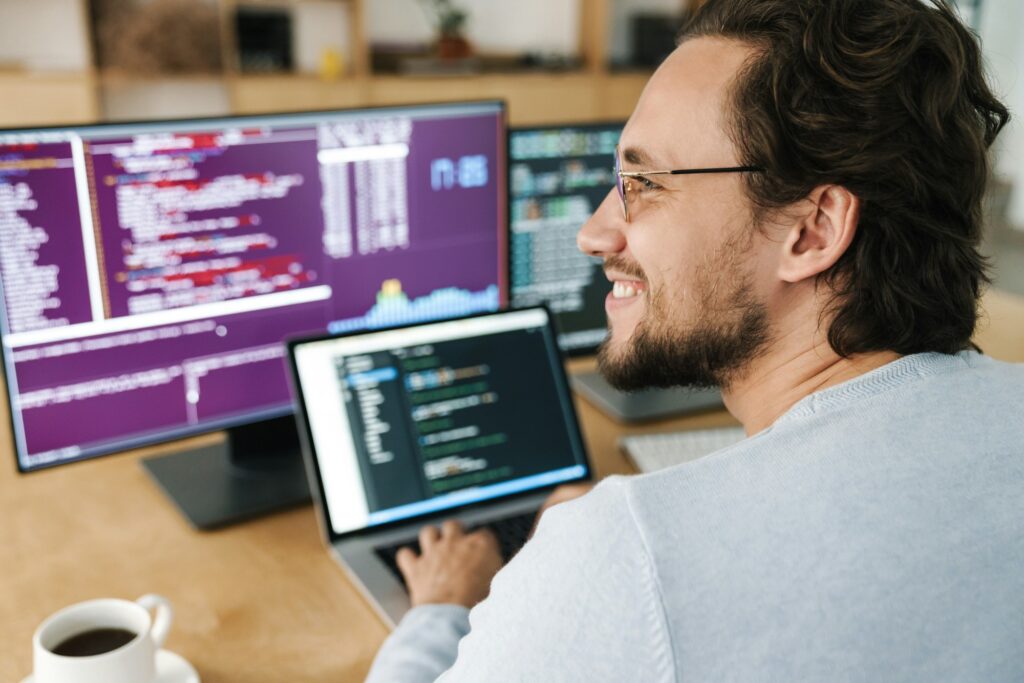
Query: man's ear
821,234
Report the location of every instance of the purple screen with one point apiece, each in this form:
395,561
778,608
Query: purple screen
151,272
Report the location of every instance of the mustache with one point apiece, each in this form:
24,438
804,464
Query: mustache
629,268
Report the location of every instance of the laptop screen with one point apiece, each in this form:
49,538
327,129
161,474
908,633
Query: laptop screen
412,421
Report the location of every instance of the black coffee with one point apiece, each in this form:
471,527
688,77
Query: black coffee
94,642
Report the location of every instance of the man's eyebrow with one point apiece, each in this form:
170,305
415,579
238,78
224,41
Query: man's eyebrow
636,156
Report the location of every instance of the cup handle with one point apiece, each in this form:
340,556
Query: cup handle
162,621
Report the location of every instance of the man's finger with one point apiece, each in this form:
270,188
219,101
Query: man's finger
428,536
405,558
451,528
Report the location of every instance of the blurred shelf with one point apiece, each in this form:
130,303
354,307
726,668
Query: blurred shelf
116,79
251,94
47,98
586,88
283,3
278,77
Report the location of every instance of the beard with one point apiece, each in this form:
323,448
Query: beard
732,331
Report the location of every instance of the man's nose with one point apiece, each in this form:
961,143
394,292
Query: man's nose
602,234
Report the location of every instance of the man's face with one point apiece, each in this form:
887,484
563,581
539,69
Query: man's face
686,308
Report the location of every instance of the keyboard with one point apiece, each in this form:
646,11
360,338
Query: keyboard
653,452
511,533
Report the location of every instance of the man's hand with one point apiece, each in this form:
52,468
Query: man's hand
453,568
562,494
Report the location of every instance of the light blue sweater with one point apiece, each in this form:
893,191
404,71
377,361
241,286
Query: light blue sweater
874,533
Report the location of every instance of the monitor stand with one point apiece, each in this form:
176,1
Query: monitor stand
651,404
257,470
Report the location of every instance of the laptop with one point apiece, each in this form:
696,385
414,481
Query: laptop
469,419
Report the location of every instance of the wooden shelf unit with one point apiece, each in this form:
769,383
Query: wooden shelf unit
589,94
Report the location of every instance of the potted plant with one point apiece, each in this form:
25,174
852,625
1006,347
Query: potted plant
449,21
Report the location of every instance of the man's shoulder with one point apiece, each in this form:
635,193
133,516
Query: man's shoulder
590,541
967,382
583,591
1002,377
597,534
947,414
925,429
605,509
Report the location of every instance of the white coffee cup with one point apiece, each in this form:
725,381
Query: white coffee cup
134,662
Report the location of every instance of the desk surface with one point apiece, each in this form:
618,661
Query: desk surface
257,602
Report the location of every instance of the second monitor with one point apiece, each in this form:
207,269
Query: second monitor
558,176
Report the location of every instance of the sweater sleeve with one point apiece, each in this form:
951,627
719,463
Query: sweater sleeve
423,646
580,602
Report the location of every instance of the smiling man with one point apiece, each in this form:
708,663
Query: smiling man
796,219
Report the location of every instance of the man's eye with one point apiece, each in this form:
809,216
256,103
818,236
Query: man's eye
646,184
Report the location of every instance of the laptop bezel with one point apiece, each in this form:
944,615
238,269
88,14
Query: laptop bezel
312,461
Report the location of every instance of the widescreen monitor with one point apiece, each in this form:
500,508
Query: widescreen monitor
558,175
151,271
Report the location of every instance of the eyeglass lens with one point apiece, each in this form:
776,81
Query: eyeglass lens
620,184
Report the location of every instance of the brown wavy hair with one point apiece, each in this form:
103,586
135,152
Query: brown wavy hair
888,99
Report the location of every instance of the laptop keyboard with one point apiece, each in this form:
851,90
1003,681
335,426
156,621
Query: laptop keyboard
511,533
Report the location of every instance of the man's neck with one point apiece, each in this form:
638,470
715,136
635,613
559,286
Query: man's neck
774,383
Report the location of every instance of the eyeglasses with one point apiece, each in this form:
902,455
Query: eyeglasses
622,177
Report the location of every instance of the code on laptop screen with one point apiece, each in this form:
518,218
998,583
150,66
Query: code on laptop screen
443,421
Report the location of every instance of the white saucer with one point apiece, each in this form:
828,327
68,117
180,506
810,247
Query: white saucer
173,668
170,668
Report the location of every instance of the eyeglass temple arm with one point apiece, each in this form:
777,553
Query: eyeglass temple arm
693,171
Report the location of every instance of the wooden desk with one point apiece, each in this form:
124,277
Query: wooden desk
260,602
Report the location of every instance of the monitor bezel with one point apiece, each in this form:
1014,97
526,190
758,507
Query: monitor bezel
316,484
512,130
168,436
